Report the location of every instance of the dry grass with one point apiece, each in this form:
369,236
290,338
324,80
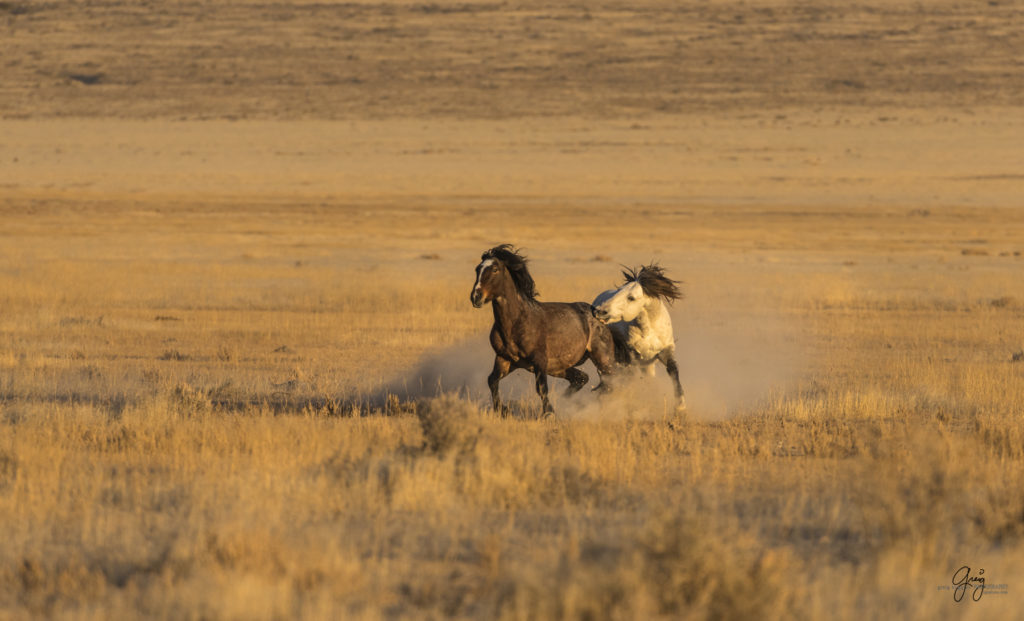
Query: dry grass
183,435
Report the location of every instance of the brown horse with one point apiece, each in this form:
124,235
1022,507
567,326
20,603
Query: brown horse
547,338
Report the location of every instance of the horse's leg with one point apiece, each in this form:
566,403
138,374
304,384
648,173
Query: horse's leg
669,361
542,390
577,379
602,353
540,371
501,369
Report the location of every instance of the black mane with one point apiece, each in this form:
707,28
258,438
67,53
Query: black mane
654,282
516,265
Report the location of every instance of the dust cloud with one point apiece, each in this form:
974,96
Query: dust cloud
726,365
460,369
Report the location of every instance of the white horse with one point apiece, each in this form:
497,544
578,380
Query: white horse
637,315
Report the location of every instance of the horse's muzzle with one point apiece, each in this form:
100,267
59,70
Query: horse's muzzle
477,298
599,314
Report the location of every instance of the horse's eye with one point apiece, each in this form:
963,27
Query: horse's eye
631,299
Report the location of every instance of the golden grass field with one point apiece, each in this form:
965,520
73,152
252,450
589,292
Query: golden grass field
240,376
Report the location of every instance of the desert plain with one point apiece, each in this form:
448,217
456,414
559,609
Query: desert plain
240,376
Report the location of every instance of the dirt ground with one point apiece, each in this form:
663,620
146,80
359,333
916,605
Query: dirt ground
499,60
717,103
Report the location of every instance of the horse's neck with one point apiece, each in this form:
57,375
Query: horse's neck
508,307
653,317
652,330
647,315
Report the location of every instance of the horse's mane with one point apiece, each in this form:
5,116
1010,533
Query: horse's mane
516,265
654,282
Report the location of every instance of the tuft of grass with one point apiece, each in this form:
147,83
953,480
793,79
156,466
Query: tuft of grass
188,402
692,563
449,424
8,469
175,355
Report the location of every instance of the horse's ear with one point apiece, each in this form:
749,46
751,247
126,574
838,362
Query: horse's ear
629,273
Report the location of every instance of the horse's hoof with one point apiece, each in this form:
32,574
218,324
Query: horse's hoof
681,406
678,419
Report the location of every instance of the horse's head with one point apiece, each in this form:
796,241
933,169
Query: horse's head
622,304
641,288
488,274
497,267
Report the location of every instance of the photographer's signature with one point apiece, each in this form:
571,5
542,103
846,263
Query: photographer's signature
963,580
